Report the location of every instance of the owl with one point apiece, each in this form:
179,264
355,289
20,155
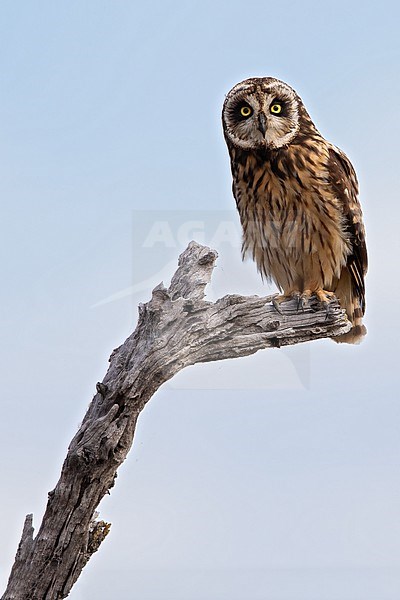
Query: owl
297,197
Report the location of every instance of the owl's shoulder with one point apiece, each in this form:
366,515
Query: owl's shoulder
342,170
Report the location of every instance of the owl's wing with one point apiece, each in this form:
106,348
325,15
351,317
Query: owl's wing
345,182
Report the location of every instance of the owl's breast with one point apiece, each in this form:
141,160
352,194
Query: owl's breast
292,222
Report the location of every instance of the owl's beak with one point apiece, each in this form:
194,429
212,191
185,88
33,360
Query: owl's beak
262,123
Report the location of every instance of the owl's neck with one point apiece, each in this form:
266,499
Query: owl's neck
262,156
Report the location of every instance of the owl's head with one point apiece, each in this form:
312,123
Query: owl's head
262,113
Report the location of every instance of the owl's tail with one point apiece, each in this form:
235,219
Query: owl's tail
357,332
349,300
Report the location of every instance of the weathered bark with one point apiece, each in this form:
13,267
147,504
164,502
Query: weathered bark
176,328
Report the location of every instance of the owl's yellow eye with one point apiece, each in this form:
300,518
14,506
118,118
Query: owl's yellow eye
276,109
246,111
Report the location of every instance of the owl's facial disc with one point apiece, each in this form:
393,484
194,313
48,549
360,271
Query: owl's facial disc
261,113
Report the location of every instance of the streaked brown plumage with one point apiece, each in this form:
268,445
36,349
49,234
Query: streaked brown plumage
297,196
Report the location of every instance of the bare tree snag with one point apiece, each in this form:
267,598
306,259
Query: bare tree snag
176,328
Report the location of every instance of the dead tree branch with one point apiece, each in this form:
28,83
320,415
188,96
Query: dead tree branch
176,328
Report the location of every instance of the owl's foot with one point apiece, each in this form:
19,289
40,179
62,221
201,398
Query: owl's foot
277,300
323,296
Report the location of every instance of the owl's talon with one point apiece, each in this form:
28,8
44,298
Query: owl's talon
324,298
275,304
325,306
303,304
296,296
304,299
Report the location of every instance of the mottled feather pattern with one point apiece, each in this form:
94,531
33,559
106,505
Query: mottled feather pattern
351,287
297,197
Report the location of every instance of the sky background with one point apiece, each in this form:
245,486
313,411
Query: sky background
272,477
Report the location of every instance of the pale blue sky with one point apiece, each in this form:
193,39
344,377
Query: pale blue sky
274,477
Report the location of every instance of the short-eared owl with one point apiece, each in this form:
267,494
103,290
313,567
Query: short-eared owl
296,195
